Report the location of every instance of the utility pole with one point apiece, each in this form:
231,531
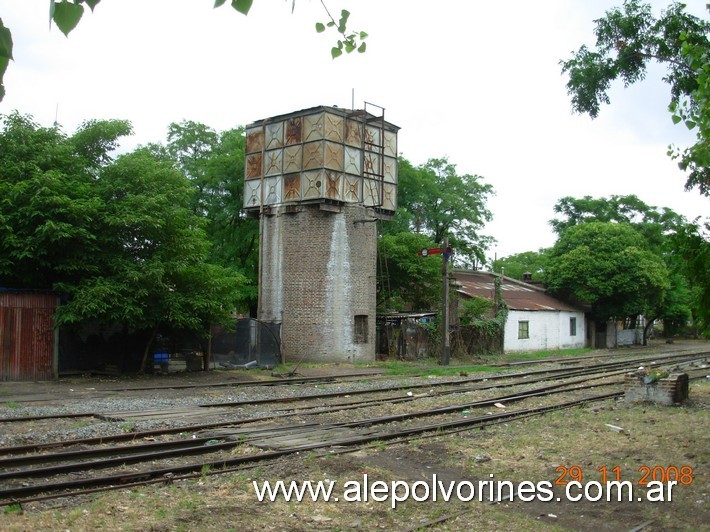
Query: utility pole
445,341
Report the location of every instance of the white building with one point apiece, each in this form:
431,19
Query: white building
536,320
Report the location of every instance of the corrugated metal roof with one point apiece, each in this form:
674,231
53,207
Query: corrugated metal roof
518,295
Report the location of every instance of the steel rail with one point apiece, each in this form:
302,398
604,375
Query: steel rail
562,373
10,496
187,447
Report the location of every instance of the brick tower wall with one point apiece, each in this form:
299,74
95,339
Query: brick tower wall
319,280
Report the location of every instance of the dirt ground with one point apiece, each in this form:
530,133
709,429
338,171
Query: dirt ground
557,447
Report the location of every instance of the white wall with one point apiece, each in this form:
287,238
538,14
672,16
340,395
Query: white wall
547,330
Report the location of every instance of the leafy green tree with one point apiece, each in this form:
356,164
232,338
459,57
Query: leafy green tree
118,238
408,281
692,247
628,39
661,229
652,222
214,164
48,205
66,14
475,308
516,265
438,202
609,266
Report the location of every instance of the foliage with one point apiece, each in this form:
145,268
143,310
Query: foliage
516,265
414,281
151,254
694,111
654,223
475,308
435,200
692,245
609,266
350,39
66,15
665,233
629,38
118,238
48,209
214,164
482,333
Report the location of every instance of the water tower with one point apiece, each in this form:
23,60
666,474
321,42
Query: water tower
318,178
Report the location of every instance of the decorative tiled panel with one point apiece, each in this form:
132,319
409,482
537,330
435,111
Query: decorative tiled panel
372,164
254,165
371,192
390,144
352,192
333,186
312,184
255,139
352,160
333,127
333,156
292,187
274,135
313,127
252,193
372,138
390,169
389,197
272,190
294,128
353,133
313,155
292,158
273,162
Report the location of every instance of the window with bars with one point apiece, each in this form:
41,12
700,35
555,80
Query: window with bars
573,326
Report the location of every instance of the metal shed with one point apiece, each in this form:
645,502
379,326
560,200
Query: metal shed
28,339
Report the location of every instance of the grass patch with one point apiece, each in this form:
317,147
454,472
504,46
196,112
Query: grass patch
550,354
415,368
12,404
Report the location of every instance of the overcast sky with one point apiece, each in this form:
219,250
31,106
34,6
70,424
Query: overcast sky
476,81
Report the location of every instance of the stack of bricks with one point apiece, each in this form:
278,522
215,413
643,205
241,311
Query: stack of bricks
668,391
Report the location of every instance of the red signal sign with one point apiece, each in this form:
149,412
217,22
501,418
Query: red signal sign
435,251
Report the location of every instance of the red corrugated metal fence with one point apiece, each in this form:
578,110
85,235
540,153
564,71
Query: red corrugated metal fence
26,336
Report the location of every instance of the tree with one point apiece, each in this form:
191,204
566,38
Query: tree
120,240
692,245
66,15
214,164
609,266
629,38
660,228
409,281
48,205
533,262
654,223
438,202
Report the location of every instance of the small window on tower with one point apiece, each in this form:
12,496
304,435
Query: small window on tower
360,329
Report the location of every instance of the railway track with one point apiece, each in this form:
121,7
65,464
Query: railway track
479,383
295,380
214,441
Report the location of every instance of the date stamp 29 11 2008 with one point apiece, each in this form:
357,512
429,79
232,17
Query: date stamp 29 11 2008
679,474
